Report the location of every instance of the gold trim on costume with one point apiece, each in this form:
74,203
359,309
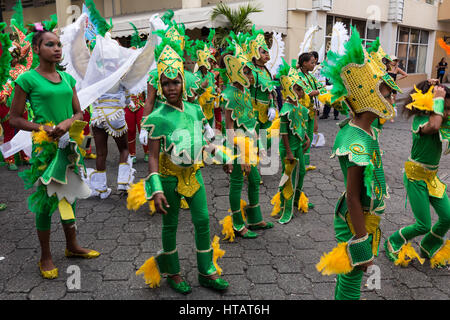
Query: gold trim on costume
417,172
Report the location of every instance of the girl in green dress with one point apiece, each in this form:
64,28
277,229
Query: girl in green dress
57,160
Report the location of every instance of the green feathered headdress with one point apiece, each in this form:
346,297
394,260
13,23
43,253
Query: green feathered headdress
170,62
200,53
97,20
175,32
289,77
17,17
136,40
5,56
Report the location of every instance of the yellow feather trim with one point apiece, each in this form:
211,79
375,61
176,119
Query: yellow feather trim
136,196
335,262
276,202
151,206
217,253
406,255
243,206
227,229
150,273
444,45
303,203
325,98
41,136
422,101
442,257
184,204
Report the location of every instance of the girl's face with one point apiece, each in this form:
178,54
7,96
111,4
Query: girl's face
264,56
172,89
49,48
298,91
309,65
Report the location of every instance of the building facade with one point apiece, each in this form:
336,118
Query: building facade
408,29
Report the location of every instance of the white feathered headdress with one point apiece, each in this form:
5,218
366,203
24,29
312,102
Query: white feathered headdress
276,54
339,38
308,42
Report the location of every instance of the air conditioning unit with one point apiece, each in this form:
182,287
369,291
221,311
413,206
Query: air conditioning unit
322,5
396,11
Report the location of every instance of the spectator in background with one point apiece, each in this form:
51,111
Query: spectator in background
442,65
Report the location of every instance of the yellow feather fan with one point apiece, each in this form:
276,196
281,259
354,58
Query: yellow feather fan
422,101
247,145
406,255
227,229
276,202
136,196
274,130
151,206
303,203
335,262
150,273
217,253
41,136
442,257
325,98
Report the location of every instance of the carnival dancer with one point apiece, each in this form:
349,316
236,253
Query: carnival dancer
367,91
263,90
174,167
295,142
430,106
306,64
22,60
241,124
57,160
200,53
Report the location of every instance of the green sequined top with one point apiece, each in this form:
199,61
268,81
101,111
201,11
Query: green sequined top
426,148
180,130
293,123
241,106
356,147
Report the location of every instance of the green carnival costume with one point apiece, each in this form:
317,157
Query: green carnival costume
424,188
240,104
55,166
180,132
311,84
357,78
293,124
200,53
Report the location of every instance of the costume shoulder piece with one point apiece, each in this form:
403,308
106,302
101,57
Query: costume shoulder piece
192,83
363,150
295,116
241,106
263,80
180,130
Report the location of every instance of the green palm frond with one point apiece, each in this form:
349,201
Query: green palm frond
238,20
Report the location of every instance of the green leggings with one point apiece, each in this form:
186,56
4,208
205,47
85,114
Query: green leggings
44,220
310,133
200,218
236,184
298,176
420,201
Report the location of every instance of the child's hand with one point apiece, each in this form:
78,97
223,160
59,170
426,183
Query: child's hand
160,203
290,157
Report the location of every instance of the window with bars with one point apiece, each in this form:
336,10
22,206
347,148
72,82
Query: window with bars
411,49
367,30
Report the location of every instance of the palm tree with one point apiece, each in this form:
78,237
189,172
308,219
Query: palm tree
238,21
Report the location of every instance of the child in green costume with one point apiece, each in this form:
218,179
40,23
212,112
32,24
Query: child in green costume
174,167
367,91
431,128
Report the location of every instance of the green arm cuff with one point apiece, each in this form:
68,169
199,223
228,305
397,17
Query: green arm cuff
153,185
360,250
438,106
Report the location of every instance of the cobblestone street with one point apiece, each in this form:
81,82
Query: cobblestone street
279,264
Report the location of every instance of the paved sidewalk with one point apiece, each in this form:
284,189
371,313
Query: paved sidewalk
280,264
